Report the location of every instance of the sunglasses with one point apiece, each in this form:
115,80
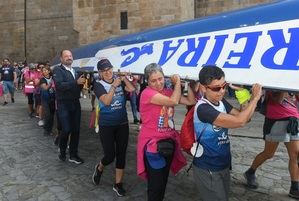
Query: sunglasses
217,89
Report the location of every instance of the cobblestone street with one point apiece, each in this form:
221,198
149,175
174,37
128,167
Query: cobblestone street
30,169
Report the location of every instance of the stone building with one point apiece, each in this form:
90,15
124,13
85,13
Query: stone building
37,30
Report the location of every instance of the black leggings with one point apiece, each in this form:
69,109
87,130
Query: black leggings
30,99
114,141
157,179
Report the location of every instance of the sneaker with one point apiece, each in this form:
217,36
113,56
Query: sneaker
96,177
76,159
118,188
41,123
62,157
12,100
5,103
294,194
97,129
250,180
31,115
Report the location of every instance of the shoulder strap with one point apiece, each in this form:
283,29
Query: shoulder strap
200,135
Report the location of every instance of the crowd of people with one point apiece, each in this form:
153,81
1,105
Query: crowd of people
58,91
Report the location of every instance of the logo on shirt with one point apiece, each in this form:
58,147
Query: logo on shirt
223,139
117,104
216,128
165,120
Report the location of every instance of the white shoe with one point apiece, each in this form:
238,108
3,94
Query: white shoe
97,129
40,123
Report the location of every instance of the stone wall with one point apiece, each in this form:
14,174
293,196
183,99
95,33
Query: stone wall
53,25
209,7
100,19
12,29
49,29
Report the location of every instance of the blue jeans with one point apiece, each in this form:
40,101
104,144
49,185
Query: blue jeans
8,87
69,113
133,103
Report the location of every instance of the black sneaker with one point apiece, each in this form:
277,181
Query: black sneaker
12,100
96,177
31,115
250,180
62,157
5,103
76,159
294,194
118,188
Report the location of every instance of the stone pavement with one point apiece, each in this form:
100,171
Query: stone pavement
30,169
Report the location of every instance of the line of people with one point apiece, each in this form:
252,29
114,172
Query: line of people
158,148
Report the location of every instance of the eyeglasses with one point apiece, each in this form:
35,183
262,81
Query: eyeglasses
218,88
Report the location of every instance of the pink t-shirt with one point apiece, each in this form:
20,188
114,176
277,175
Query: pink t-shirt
159,118
32,75
157,124
281,110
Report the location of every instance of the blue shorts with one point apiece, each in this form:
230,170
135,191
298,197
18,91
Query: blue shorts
8,86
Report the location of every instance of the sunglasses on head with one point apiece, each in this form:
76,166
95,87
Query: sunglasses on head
218,88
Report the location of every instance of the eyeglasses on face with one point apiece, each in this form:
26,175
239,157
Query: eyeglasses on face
217,88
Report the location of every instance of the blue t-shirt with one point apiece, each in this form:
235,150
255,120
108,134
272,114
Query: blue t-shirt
115,113
215,141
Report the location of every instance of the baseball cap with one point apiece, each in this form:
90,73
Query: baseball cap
103,64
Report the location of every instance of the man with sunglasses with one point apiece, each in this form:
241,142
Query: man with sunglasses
212,118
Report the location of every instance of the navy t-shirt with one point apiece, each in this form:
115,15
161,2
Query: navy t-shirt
115,113
49,94
204,109
214,139
7,73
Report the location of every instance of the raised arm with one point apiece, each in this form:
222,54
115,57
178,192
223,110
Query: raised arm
173,100
237,119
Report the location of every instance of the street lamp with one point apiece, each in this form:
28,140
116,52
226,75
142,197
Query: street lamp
25,30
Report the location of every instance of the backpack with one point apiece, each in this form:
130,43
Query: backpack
187,136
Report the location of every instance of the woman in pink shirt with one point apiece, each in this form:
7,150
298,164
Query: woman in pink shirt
29,77
281,125
156,111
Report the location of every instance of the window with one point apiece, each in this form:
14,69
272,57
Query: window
124,20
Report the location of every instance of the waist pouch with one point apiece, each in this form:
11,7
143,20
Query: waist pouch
292,126
166,147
